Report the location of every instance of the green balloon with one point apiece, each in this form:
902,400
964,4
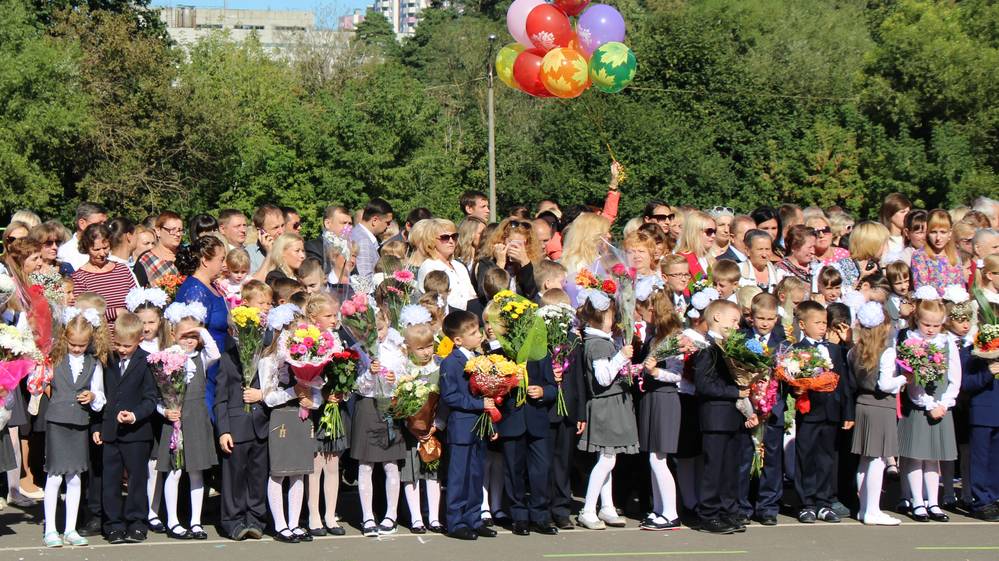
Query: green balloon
612,67
504,63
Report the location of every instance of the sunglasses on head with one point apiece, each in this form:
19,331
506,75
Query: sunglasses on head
448,237
722,209
710,231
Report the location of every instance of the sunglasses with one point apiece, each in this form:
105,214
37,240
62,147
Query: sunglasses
710,231
173,231
444,238
296,225
663,217
520,224
51,242
721,209
822,231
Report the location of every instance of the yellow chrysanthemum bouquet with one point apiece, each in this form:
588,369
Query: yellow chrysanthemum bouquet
519,330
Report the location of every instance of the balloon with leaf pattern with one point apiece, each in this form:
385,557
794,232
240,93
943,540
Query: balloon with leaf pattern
612,67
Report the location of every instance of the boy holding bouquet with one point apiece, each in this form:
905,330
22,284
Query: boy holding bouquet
467,450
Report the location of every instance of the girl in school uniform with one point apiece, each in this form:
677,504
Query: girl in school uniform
77,391
875,434
611,428
148,304
190,335
291,441
926,429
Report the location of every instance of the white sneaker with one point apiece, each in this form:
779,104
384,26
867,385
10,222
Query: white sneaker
881,519
611,517
590,521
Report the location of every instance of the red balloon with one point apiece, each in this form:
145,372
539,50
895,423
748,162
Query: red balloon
548,27
527,72
572,7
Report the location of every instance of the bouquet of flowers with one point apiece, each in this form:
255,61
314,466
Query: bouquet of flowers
341,378
171,379
170,283
359,317
625,278
492,376
249,335
410,395
987,339
444,346
415,400
7,288
18,355
398,291
520,331
747,359
808,370
54,286
763,396
926,361
306,349
699,282
559,320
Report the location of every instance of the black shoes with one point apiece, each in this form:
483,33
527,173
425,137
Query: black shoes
938,515
521,529
116,537
563,523
919,514
767,520
239,532
988,514
198,533
738,523
317,532
156,526
485,532
716,526
466,534
827,515
135,536
545,529
806,516
92,528
418,529
436,528
286,536
183,534
254,532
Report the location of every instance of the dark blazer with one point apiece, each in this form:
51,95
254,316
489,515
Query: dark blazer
532,417
465,408
230,411
573,389
526,286
314,249
839,404
731,256
135,391
775,340
716,391
983,389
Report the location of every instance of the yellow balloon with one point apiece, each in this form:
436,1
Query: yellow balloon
504,63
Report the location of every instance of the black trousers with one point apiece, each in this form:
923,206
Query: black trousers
815,461
119,457
526,461
244,486
720,476
94,476
561,437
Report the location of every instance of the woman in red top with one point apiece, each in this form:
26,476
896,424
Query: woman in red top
109,279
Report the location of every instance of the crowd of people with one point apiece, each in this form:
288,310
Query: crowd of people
91,428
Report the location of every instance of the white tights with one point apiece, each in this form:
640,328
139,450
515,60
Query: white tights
600,484
922,475
870,477
154,491
14,475
171,490
326,466
275,498
433,501
663,487
51,502
366,489
492,483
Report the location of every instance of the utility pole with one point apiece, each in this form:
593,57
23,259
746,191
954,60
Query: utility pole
490,103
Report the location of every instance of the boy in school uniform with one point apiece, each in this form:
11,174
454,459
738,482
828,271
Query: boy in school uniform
243,441
763,317
467,451
721,425
125,434
815,440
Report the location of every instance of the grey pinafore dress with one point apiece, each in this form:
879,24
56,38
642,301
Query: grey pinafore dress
195,426
610,413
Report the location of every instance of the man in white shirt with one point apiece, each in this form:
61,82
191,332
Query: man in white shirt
737,250
86,214
232,226
269,222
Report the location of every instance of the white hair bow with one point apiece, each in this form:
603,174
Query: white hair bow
597,298
177,311
871,314
89,314
282,315
926,292
139,296
701,300
413,314
956,293
646,285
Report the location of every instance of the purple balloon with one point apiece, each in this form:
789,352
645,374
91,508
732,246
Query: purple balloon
599,24
516,20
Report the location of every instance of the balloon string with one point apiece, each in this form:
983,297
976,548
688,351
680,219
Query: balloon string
604,137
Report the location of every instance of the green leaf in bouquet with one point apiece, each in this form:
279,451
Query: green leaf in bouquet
985,312
535,345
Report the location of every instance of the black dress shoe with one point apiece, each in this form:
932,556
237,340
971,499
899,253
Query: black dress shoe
92,528
716,526
484,532
198,533
135,536
286,536
521,529
919,514
988,514
545,529
184,534
939,515
336,531
116,537
563,523
488,521
239,532
736,524
436,528
419,529
156,526
302,535
254,532
317,532
464,534
768,520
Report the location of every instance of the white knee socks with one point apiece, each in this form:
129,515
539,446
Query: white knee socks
51,501
912,471
433,500
663,487
171,486
599,484
197,496
412,490
296,491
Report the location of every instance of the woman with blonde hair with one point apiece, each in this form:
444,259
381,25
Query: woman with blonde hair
468,237
583,240
937,264
51,235
868,244
283,260
28,218
514,248
696,241
640,251
434,240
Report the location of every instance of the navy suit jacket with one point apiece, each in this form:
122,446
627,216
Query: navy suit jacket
839,404
465,408
532,417
983,389
573,389
230,410
731,256
775,340
135,391
717,392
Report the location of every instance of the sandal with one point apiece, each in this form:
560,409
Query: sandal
286,536
418,529
198,534
388,529
156,526
184,534
436,527
302,535
369,531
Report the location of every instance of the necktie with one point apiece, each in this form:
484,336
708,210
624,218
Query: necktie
123,365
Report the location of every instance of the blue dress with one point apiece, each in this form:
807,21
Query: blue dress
217,323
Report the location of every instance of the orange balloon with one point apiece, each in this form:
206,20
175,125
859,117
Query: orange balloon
565,72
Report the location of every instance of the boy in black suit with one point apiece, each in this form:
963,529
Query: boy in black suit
125,433
243,441
815,439
721,424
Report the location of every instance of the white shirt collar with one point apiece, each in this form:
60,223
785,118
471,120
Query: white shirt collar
371,236
742,256
596,332
468,354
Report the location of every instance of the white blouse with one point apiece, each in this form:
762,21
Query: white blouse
918,394
889,380
273,374
606,370
461,284
96,382
392,358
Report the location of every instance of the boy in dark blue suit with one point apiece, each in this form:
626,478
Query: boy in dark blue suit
815,439
978,380
243,441
771,486
125,434
466,450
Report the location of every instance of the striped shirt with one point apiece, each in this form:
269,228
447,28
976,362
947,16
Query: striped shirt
112,285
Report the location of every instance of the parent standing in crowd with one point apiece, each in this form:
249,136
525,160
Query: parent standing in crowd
768,220
202,262
469,234
232,226
86,214
825,252
868,245
758,268
336,224
475,206
51,235
269,223
375,218
698,238
737,250
157,263
514,248
286,256
99,274
640,252
892,216
800,245
937,264
434,240
583,240
723,216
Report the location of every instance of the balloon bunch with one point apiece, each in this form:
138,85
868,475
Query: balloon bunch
551,59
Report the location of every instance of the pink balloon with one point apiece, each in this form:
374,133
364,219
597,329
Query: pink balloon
516,20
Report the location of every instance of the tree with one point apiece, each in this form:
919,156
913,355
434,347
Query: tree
376,31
